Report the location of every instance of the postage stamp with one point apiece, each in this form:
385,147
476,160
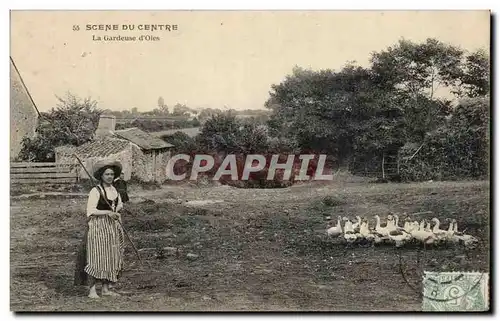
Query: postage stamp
455,291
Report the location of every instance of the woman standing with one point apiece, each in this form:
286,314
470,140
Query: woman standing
101,256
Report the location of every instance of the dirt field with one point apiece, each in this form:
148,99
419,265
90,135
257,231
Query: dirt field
233,249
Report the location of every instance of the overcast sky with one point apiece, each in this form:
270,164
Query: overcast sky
214,59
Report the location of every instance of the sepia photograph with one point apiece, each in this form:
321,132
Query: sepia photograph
250,161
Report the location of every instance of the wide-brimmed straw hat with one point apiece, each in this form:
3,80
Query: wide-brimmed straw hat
103,165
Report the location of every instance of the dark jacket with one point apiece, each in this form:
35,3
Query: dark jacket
121,188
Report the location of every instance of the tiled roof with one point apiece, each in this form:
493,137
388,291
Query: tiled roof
142,139
100,147
191,132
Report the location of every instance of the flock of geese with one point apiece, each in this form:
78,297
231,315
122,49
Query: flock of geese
411,232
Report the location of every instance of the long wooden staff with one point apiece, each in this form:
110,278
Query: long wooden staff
105,199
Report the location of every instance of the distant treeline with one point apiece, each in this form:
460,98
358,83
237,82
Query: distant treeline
181,116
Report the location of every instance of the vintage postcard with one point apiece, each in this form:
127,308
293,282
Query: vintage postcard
250,161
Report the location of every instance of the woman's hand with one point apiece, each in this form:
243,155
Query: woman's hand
102,213
114,215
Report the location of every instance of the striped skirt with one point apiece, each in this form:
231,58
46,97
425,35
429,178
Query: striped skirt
105,245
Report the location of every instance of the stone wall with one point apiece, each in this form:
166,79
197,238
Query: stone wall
162,158
23,115
139,163
150,166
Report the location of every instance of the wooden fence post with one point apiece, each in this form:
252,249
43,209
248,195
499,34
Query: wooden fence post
383,165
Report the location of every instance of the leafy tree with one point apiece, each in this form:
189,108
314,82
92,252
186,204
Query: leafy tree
422,115
414,71
72,122
457,150
224,132
181,110
325,111
220,131
474,80
252,138
418,68
195,122
183,144
470,127
206,113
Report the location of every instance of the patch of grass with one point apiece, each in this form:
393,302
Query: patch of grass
333,201
149,224
159,251
136,184
169,195
186,222
151,208
317,210
196,211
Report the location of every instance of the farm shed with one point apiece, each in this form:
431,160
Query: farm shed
143,156
23,114
151,163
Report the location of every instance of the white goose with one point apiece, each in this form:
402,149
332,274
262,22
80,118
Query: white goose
390,221
349,234
365,233
449,235
416,226
411,226
467,240
440,234
397,233
399,237
436,229
380,233
424,235
348,225
380,230
396,222
451,227
408,225
356,225
399,228
391,225
336,230
455,227
427,226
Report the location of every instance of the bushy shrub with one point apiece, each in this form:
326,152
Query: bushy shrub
225,136
456,151
333,201
72,122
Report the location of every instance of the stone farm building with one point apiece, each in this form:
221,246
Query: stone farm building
144,157
23,114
